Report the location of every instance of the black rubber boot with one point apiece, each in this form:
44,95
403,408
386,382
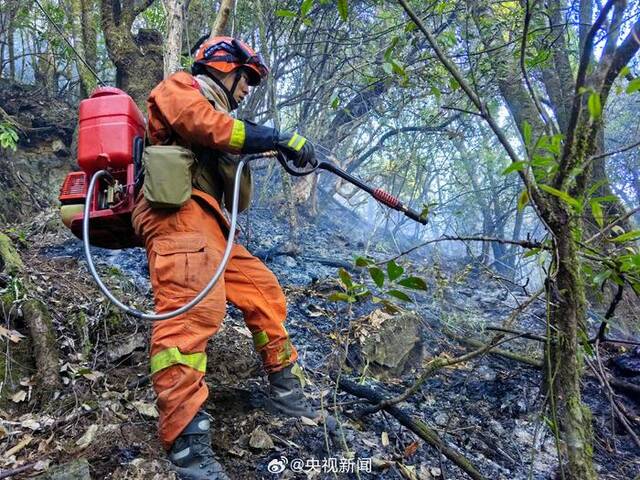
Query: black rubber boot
286,394
191,453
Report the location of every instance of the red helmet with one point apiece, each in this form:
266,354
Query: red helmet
227,54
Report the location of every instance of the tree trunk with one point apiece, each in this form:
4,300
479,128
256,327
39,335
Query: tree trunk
222,18
82,24
567,315
11,51
38,321
292,216
173,42
138,60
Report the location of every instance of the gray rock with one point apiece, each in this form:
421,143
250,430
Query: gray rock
486,373
389,344
288,261
76,470
441,419
496,427
59,148
260,440
126,346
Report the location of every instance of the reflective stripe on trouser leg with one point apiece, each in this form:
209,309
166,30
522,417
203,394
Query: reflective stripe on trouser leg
172,356
260,339
183,255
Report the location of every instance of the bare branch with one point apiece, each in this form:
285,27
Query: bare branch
450,238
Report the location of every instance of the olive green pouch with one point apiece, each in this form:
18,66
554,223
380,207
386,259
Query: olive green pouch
167,175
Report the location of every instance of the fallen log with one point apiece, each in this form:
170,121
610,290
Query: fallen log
38,320
415,425
532,362
620,385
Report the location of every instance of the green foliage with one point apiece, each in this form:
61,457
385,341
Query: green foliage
155,17
621,266
343,9
627,237
305,7
596,211
393,278
564,196
526,133
595,106
634,85
8,136
515,167
335,101
394,270
377,276
426,210
523,199
286,13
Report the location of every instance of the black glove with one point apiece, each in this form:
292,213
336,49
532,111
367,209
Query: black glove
297,149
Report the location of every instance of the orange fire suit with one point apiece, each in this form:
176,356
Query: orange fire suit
184,248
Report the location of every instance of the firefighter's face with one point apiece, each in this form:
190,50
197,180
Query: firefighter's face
242,88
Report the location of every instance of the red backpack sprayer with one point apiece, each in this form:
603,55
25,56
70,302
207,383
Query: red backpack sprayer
98,200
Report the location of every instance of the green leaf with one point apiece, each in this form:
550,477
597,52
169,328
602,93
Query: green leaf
601,277
453,83
596,210
343,9
398,69
526,132
413,282
363,294
532,252
625,71
400,295
335,102
305,7
606,198
584,340
627,237
387,67
595,106
362,262
345,278
435,91
341,297
286,13
377,275
543,161
595,187
564,196
410,27
394,270
634,85
515,166
440,7
523,199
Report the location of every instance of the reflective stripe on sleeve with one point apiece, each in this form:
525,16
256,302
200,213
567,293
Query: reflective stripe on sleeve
173,356
297,142
237,135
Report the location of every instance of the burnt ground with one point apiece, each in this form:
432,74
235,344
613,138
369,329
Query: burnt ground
488,409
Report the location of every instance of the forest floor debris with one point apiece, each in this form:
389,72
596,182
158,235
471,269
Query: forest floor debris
486,410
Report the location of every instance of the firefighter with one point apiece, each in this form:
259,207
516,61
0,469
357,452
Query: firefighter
184,246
